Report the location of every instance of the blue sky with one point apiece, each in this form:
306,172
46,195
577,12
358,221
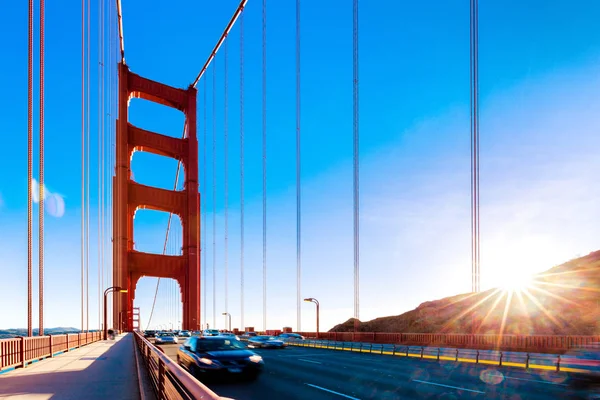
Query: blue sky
539,79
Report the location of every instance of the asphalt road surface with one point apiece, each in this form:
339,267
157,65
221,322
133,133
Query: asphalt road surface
316,374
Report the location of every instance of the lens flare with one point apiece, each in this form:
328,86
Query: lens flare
54,204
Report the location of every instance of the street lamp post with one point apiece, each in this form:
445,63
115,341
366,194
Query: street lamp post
106,292
313,300
226,313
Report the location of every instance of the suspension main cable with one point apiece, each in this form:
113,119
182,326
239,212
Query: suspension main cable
30,171
212,55
120,23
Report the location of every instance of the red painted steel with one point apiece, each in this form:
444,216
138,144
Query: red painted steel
130,265
18,352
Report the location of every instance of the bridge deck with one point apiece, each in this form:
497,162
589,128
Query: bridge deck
101,370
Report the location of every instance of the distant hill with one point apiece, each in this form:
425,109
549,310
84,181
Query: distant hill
565,300
10,333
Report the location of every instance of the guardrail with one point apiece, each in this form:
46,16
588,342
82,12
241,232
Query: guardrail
20,351
538,343
169,380
551,362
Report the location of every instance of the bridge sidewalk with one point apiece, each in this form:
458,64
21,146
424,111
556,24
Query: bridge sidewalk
101,370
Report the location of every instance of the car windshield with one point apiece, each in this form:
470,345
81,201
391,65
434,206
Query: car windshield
164,334
203,346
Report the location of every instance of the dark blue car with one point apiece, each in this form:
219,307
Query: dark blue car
219,357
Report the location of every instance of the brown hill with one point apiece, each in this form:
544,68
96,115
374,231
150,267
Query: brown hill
565,300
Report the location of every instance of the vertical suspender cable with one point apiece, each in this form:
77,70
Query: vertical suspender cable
214,194
356,161
99,110
242,171
226,133
298,176
82,160
475,259
204,214
30,172
87,167
42,194
264,156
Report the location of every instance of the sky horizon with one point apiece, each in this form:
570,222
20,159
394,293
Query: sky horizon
540,114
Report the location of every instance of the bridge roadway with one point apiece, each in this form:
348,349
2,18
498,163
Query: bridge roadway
315,374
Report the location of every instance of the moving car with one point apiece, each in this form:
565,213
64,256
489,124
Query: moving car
266,342
287,336
149,334
208,357
165,338
210,332
584,358
247,335
185,334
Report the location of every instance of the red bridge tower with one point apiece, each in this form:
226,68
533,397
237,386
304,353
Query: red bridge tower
130,265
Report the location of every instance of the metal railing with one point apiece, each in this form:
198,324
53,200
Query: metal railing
169,380
20,351
538,343
551,362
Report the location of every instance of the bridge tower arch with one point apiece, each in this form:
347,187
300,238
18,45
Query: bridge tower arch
130,265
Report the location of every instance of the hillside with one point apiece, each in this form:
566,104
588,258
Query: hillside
10,333
565,300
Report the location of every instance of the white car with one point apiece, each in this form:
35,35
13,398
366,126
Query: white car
165,338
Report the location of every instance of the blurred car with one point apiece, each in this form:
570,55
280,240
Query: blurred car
266,342
149,334
247,335
584,358
210,332
218,356
165,338
287,336
185,334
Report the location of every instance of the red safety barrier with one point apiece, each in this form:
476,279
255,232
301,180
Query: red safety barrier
18,352
539,343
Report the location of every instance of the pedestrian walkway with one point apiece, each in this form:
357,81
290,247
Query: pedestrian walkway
101,370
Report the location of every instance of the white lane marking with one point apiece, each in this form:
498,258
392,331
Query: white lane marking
331,391
535,380
314,362
448,386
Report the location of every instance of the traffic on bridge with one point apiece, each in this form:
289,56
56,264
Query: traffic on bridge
300,200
